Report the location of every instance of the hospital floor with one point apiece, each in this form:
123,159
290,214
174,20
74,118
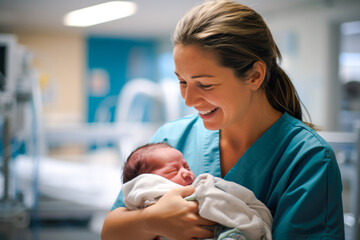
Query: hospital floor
57,220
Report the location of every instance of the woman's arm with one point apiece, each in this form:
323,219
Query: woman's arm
124,224
171,217
311,206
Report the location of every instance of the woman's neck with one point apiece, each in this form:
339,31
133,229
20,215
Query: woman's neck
250,130
236,139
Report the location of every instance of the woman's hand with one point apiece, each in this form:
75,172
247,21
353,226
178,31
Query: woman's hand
175,218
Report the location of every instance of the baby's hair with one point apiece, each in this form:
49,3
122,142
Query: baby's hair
137,163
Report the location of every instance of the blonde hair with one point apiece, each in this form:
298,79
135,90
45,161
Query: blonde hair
239,37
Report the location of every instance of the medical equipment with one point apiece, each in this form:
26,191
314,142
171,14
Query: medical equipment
14,91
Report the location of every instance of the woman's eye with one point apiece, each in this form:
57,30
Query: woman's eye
182,82
205,86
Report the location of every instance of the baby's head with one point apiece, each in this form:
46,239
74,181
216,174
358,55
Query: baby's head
160,159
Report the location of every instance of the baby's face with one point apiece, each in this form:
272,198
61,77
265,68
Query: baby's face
171,165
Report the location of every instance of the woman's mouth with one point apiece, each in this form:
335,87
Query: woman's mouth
207,113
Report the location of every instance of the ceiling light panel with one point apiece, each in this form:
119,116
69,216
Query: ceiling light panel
101,13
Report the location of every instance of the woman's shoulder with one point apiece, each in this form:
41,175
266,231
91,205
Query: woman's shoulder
301,130
302,137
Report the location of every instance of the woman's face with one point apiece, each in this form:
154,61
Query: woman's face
170,164
221,98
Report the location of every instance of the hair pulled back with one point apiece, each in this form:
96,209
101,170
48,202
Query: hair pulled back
239,37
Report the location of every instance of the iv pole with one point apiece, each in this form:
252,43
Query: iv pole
6,156
12,211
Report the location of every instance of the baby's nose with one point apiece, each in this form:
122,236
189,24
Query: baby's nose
187,175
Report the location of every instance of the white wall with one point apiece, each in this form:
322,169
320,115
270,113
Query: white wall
307,37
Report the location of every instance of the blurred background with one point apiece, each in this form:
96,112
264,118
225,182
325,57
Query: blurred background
74,101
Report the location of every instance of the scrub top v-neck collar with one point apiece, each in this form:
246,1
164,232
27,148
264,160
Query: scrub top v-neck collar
254,155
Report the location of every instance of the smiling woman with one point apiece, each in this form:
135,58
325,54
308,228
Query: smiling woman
213,90
249,129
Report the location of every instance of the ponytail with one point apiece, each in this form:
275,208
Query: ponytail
282,94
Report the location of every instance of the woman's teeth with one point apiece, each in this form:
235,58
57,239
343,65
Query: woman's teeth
207,112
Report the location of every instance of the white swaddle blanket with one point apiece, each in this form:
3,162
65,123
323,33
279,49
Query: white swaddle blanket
224,202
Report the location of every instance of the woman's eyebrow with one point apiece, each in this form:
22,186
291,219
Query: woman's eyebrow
202,75
198,76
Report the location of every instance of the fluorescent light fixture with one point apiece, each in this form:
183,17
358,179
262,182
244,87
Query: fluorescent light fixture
101,13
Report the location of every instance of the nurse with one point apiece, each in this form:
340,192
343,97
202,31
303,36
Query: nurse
249,129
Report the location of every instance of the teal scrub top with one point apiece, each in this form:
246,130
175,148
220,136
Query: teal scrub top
290,168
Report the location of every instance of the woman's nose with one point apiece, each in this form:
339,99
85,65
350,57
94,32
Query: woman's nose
190,95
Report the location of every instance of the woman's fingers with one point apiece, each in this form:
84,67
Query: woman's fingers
184,191
205,222
205,233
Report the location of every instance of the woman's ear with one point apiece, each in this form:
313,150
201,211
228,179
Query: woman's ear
258,73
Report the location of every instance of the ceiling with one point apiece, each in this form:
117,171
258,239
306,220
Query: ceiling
154,18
